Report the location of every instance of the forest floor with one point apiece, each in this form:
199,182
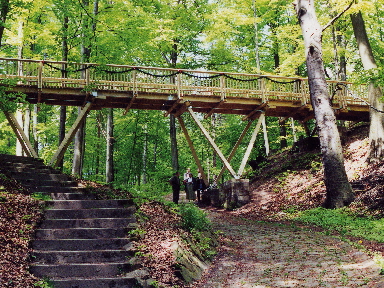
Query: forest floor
259,245
262,247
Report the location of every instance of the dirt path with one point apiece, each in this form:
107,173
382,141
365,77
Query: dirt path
265,255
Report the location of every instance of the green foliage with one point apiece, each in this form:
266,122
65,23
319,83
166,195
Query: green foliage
10,101
344,222
194,218
204,243
45,283
41,196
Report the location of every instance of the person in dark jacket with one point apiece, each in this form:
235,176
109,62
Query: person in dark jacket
175,183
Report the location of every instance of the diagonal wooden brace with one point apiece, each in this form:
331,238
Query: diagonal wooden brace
250,145
213,144
193,150
23,139
69,136
234,149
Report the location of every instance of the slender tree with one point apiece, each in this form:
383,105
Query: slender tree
339,190
109,167
376,128
4,10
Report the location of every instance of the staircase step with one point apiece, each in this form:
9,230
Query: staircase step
122,282
53,189
27,182
69,195
81,233
87,223
89,213
88,204
33,175
96,256
80,270
80,244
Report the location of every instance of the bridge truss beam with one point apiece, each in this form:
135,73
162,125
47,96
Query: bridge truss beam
23,139
69,136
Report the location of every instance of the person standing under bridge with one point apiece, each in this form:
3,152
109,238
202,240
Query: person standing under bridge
175,183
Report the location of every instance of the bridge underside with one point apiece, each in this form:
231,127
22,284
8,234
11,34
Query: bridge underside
250,108
172,104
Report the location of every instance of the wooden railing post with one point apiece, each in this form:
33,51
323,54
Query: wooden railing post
40,75
304,96
134,88
222,87
179,86
263,88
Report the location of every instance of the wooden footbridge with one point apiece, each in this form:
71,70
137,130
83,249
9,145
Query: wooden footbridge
174,91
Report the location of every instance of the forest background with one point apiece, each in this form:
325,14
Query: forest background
254,36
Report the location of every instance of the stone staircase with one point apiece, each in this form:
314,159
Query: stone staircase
82,242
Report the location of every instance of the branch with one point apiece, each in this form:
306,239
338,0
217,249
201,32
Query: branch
338,16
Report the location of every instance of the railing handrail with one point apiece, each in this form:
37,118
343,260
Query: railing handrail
261,76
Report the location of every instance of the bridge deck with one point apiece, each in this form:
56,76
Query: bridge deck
129,87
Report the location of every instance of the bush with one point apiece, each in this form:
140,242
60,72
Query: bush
194,218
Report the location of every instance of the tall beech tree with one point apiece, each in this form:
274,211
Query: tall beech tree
376,128
339,190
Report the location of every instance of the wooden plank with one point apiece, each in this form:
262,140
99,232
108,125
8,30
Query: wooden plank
23,139
250,145
234,149
213,144
69,136
193,151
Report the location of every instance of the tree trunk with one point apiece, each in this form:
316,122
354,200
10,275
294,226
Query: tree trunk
174,150
34,129
4,9
78,152
109,167
78,157
376,129
145,156
339,191
63,109
172,122
283,133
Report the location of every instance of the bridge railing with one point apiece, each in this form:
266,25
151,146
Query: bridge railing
178,82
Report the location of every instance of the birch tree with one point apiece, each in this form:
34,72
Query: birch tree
339,190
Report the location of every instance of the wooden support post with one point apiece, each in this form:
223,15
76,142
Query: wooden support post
266,142
250,145
194,154
234,149
69,136
23,139
213,144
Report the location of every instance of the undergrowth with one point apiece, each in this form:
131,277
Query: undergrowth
343,221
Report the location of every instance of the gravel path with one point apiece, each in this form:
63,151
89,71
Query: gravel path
255,254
